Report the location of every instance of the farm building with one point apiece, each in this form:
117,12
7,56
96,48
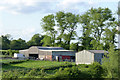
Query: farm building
89,56
49,53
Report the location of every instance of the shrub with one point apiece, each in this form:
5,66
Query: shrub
96,70
70,73
9,52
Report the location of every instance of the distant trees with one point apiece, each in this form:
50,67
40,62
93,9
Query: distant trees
5,41
18,44
35,40
47,41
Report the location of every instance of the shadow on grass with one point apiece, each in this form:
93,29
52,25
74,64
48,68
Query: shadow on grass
10,67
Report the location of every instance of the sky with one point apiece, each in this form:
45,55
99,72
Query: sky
22,18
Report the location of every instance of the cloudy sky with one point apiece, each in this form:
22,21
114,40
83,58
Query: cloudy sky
21,18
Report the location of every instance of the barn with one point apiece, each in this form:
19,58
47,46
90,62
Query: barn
49,53
89,56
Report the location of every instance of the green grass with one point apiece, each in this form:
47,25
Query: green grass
47,69
40,64
7,60
35,64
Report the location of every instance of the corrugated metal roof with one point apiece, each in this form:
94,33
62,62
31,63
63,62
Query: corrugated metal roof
56,50
50,48
98,51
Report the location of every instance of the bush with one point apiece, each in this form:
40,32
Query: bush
83,66
96,70
13,62
9,52
70,73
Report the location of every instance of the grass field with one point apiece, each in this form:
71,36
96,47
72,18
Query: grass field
40,64
7,60
48,69
34,64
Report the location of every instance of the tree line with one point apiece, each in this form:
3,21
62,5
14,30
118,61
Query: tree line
97,26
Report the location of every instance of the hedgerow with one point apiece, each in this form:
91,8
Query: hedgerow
8,52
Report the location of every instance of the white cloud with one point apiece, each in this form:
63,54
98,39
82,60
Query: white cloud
26,6
45,6
75,6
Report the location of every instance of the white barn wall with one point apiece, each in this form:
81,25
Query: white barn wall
84,57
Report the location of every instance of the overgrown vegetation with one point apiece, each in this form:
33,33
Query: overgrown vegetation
49,69
110,62
7,53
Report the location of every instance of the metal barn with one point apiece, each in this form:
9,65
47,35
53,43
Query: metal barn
49,53
89,56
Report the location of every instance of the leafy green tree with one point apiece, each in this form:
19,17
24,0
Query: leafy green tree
87,31
5,42
18,44
74,46
94,23
48,24
72,21
85,42
109,36
67,25
35,40
46,41
110,62
62,25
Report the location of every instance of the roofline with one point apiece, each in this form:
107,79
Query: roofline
57,50
93,52
98,53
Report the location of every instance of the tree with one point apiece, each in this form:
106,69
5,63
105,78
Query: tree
72,21
67,25
94,23
74,46
85,42
110,62
62,25
47,41
5,42
35,40
48,24
18,44
87,31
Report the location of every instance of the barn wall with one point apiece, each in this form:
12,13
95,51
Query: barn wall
62,53
46,55
84,57
69,53
98,57
33,50
24,53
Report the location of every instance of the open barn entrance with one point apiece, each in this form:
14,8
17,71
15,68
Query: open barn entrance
35,56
